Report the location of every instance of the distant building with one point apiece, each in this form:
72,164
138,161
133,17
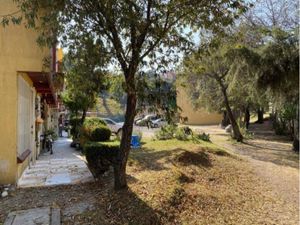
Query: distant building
28,96
191,116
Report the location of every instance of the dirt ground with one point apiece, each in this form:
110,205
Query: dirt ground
271,158
181,182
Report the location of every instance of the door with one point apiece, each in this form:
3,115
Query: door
25,117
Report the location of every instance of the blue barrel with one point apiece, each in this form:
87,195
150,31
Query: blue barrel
135,141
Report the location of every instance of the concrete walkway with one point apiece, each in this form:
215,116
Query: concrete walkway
40,216
65,166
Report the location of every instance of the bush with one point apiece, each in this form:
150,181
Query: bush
202,136
94,129
101,133
166,132
93,122
187,130
100,156
181,134
172,131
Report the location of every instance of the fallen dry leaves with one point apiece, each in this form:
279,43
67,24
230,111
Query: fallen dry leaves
183,184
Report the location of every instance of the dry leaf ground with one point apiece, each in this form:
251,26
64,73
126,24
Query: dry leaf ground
170,182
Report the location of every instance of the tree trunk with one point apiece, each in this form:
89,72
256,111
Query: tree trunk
247,117
260,115
121,161
236,130
83,116
226,121
296,144
296,131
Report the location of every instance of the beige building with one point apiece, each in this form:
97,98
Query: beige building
28,97
195,117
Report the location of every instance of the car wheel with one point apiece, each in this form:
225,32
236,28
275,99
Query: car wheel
156,125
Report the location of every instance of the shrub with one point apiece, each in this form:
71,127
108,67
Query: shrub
202,136
93,122
94,129
181,134
187,130
166,132
100,156
172,131
101,133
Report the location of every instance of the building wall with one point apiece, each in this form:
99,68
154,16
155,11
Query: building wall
18,52
195,117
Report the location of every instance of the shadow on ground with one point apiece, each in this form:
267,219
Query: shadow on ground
146,158
149,159
264,146
125,207
89,203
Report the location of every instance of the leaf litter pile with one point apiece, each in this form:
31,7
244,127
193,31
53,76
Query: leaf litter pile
170,182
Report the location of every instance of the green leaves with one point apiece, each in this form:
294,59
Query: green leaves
5,21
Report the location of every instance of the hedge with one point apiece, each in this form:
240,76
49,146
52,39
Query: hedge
94,129
100,156
93,122
101,133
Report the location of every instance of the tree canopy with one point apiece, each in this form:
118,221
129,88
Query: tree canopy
85,76
132,33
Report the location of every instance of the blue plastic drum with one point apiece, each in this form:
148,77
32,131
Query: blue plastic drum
135,141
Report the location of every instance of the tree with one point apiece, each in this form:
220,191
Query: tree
271,14
223,74
280,75
116,88
84,75
134,32
157,94
262,18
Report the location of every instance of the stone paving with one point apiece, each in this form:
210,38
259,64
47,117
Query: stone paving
35,216
65,166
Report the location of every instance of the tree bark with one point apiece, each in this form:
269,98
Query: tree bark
121,161
247,117
83,116
296,131
226,121
236,131
260,115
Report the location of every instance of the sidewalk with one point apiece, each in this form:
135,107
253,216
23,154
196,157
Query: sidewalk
65,166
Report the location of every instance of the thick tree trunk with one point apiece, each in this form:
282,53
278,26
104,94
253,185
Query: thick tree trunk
260,115
226,121
121,161
296,144
236,130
